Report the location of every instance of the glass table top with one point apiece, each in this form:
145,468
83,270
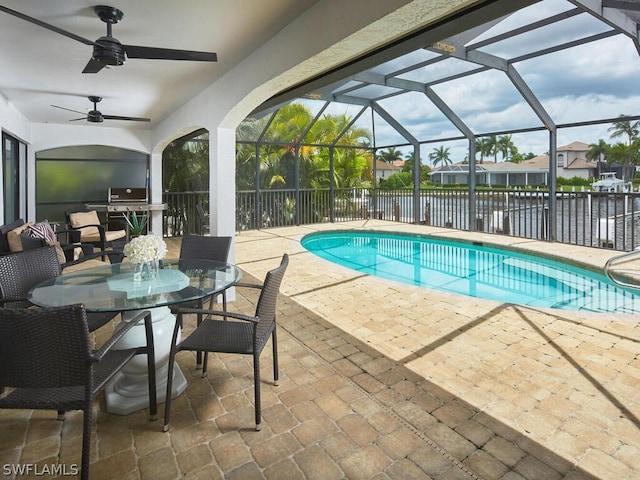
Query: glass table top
112,287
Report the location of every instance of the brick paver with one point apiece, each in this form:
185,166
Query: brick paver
381,380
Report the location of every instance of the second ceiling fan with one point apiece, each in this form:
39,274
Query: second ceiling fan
96,116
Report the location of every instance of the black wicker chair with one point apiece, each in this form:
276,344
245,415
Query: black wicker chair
197,247
68,249
20,272
230,332
47,361
203,219
85,228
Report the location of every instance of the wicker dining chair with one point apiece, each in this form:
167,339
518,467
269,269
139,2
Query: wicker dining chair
203,219
20,272
47,361
232,332
198,247
204,247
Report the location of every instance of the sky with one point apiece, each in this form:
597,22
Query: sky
589,82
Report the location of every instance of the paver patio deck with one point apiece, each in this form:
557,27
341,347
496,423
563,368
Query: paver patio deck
382,380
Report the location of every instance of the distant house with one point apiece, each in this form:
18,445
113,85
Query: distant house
491,174
384,169
571,161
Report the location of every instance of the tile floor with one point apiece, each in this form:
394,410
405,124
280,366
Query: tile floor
380,380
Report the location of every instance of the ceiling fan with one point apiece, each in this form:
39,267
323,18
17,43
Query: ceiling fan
108,50
95,116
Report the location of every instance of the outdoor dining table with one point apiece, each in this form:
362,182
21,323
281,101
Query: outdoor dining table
112,288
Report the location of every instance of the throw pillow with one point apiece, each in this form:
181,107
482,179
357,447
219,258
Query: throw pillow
59,251
42,230
13,237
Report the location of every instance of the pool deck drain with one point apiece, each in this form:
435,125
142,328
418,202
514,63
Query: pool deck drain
560,386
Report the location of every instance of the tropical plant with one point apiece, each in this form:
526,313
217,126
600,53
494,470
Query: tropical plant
136,223
408,167
278,162
185,163
246,134
397,180
299,150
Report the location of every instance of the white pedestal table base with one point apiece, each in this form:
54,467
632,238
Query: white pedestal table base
128,391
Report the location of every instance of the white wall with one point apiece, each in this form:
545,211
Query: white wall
51,135
15,124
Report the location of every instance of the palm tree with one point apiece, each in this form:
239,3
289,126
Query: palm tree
631,130
493,146
625,127
410,156
506,147
390,154
619,153
598,151
483,148
291,121
185,163
352,166
440,155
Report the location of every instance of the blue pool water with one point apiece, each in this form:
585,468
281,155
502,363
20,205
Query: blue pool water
474,270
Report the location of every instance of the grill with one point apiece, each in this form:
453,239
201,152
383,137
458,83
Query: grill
125,200
131,199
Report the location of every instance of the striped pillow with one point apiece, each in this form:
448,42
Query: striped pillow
42,230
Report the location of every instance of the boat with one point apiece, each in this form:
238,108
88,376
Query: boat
608,183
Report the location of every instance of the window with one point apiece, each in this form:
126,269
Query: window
14,185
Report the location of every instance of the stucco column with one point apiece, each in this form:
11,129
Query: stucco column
155,190
222,174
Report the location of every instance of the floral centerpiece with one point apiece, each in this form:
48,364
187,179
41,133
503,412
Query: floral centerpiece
145,252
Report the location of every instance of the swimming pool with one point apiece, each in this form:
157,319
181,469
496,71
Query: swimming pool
473,269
